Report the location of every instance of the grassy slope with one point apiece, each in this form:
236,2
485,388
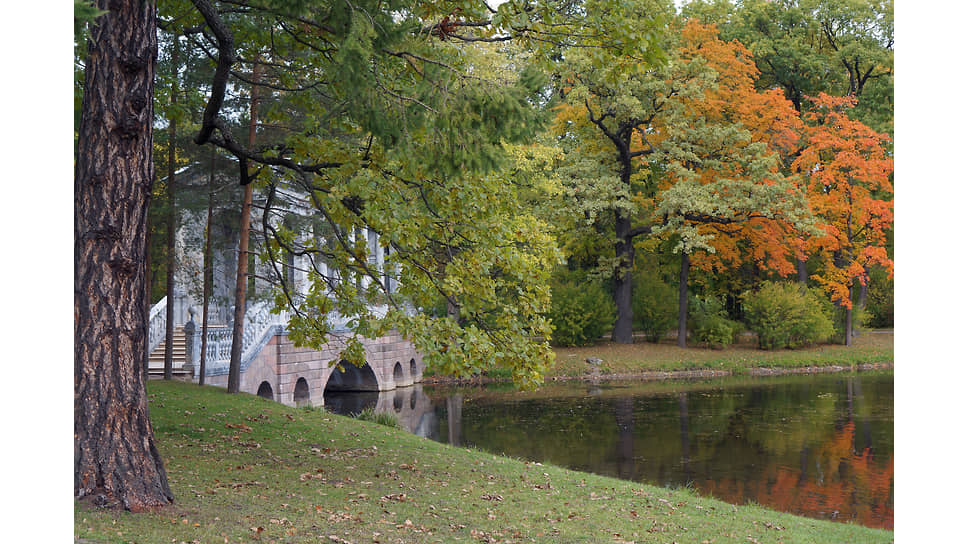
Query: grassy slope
244,469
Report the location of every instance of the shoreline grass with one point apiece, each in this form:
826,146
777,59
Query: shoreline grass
644,359
244,469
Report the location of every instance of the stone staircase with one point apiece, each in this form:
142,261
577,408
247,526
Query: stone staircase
156,361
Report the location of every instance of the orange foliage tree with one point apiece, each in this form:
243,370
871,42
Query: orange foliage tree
846,172
686,149
767,117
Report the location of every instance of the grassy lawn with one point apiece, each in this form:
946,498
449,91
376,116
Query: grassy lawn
643,358
244,469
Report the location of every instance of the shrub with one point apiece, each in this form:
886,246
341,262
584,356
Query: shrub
709,324
880,301
655,306
784,315
581,310
382,418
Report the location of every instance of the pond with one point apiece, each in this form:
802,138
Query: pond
818,445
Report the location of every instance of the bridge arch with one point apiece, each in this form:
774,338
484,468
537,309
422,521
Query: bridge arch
265,391
300,393
398,377
348,377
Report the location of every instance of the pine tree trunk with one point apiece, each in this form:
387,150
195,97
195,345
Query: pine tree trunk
207,271
683,299
170,253
238,323
625,251
116,462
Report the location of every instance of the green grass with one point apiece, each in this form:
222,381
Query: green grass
644,357
244,469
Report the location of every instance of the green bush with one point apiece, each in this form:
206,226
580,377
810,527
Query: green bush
655,307
581,310
709,325
880,301
382,418
784,315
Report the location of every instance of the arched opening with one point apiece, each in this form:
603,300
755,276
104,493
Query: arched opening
398,374
300,394
265,391
351,389
413,369
349,377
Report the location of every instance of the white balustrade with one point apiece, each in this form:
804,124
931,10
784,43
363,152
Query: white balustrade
157,319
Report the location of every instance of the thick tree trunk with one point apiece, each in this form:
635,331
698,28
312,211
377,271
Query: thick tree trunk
683,299
116,462
802,271
625,251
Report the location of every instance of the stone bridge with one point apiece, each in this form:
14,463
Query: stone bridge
298,376
274,368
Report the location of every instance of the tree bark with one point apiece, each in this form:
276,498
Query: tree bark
170,194
116,462
683,299
802,271
849,318
145,368
625,251
207,271
238,322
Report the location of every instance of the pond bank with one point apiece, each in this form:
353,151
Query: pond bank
667,375
244,469
645,361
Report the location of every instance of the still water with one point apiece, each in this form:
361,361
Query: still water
814,445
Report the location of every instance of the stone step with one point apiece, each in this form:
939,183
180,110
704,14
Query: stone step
156,360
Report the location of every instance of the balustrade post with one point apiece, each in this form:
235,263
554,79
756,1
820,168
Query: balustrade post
193,343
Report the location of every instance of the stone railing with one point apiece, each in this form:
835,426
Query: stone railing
157,320
259,325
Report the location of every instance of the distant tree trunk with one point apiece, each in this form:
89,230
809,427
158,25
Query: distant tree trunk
625,251
848,306
238,323
849,318
207,271
170,193
683,298
116,462
802,271
862,294
147,294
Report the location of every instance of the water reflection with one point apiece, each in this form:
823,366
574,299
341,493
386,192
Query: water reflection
820,446
411,406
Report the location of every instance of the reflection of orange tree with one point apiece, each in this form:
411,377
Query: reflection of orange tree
852,485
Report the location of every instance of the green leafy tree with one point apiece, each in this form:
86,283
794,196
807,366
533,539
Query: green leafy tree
374,113
679,150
